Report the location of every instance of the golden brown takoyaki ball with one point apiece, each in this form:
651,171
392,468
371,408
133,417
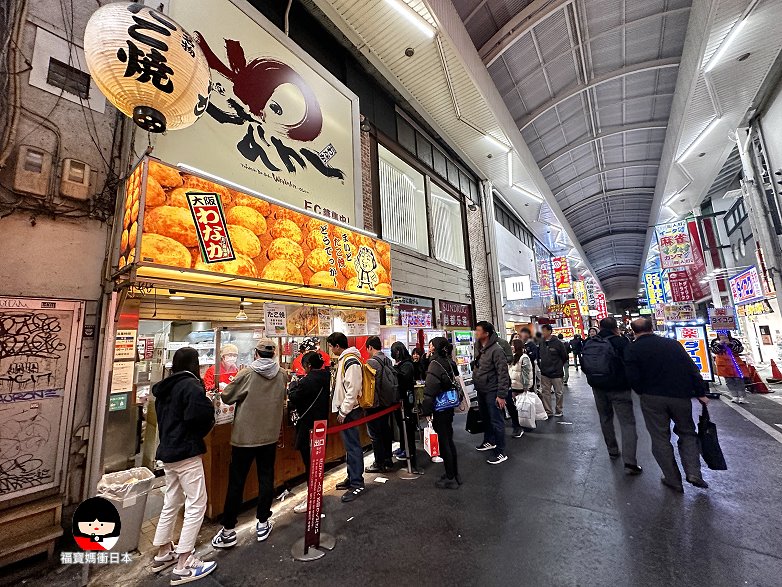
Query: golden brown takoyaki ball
383,289
163,250
322,279
244,240
285,248
318,261
314,240
282,270
295,217
177,197
167,177
286,229
247,217
155,194
314,224
204,185
242,265
240,199
175,223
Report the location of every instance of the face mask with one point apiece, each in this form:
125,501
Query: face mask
229,360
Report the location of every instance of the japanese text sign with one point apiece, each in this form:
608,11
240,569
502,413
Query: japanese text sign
580,293
276,319
453,314
679,313
681,288
544,273
567,332
561,271
602,307
654,288
211,227
675,245
694,341
315,493
722,318
745,286
573,311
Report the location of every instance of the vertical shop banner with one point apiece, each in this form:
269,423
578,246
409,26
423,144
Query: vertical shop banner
745,286
315,493
211,226
573,312
543,262
675,244
276,121
561,271
602,306
697,271
722,318
654,288
695,342
276,319
592,290
681,288
580,293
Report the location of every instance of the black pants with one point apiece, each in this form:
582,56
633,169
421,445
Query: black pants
242,458
620,402
380,433
576,359
494,432
511,405
658,413
443,425
407,427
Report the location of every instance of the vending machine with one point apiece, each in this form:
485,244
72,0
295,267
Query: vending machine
463,344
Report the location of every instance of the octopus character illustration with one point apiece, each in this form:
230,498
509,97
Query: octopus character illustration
366,266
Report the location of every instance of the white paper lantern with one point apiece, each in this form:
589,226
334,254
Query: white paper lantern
147,65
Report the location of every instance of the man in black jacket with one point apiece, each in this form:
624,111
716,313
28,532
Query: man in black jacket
577,346
492,383
612,392
664,375
552,369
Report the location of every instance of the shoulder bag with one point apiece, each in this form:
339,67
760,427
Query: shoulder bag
450,398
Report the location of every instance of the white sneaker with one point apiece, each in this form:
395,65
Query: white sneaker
193,570
224,539
497,460
301,507
263,529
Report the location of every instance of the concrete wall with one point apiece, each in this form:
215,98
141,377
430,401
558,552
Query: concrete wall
419,275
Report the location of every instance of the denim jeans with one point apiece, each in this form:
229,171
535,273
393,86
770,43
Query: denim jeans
495,422
353,450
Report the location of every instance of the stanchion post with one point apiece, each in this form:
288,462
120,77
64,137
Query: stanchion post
407,442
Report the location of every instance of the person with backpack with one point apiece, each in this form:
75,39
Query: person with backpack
439,378
602,361
568,350
406,420
184,417
552,369
577,347
346,388
259,395
386,395
520,373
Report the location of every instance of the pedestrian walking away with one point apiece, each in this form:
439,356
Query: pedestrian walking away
184,416
492,382
258,392
346,382
666,378
603,363
520,373
729,364
568,350
577,346
552,370
439,377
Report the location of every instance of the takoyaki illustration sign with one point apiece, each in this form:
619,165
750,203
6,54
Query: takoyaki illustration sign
277,122
174,219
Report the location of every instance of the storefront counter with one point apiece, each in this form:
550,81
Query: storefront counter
288,464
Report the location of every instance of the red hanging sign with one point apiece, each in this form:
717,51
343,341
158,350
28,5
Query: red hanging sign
681,289
602,307
562,281
697,271
573,312
315,489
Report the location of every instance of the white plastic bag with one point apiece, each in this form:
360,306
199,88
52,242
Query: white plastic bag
540,411
526,408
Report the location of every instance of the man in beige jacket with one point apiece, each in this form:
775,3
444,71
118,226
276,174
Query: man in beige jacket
259,394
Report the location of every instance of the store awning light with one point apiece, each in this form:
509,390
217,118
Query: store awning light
175,296
245,303
719,53
241,315
412,16
698,140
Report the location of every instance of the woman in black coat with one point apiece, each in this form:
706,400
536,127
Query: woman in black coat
439,378
407,423
310,397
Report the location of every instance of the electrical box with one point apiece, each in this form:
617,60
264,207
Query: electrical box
75,179
29,171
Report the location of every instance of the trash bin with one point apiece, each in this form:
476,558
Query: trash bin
127,490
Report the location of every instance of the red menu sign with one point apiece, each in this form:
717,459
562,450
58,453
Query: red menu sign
453,314
681,290
315,491
602,307
697,271
211,227
562,283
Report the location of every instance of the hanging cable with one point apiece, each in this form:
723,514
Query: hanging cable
287,15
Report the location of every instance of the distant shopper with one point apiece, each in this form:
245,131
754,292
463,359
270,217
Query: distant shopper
439,378
592,332
568,350
259,395
406,420
666,378
506,348
420,365
520,373
603,364
184,416
307,345
576,347
729,364
531,347
309,397
386,395
552,370
491,381
229,355
346,385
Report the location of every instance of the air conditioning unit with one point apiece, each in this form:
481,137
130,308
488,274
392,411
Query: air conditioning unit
28,170
75,179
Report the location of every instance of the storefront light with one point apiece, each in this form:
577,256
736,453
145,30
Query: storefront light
245,303
412,16
241,315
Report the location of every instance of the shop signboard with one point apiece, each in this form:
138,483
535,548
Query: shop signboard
580,293
455,314
125,344
118,402
681,288
573,312
324,322
561,271
592,290
556,311
518,288
679,312
754,309
654,288
697,271
351,322
276,249
602,306
722,318
567,332
275,319
675,244
277,121
695,341
214,241
745,286
543,263
659,312
315,493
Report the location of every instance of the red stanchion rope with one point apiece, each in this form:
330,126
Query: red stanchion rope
364,420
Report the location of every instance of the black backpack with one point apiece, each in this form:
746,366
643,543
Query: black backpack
598,359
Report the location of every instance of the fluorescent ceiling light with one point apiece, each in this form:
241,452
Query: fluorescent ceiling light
496,141
510,168
176,298
412,16
698,140
529,194
731,36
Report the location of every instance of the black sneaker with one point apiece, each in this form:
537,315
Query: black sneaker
375,468
633,469
518,433
343,485
486,446
697,482
446,484
353,494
